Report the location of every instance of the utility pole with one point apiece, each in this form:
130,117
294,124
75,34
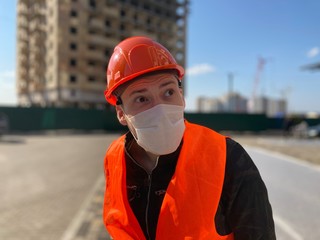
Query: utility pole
230,82
260,66
230,91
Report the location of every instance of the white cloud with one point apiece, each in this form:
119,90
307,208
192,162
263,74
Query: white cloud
313,52
200,69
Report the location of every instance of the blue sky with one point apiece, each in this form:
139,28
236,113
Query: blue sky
227,36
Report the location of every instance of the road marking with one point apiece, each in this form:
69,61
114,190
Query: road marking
71,231
284,226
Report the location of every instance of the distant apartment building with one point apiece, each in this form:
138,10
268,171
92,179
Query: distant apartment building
277,107
235,103
63,46
269,106
259,105
209,105
231,102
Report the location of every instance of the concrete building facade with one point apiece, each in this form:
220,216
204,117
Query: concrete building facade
231,102
209,105
234,102
63,46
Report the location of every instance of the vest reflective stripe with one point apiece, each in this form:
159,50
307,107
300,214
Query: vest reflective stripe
192,197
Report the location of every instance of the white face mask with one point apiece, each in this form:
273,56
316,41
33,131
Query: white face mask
159,129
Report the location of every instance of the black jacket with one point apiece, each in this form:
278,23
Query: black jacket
244,208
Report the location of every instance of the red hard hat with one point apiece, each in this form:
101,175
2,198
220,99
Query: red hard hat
136,56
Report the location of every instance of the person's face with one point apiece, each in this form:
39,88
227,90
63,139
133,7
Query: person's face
147,92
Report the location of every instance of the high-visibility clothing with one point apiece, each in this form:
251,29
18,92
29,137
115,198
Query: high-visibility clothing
192,197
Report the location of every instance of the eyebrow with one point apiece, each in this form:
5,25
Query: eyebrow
170,81
139,91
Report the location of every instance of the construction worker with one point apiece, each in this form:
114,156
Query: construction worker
168,178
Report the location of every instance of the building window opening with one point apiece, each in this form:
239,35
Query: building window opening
91,79
73,13
123,13
92,3
107,53
107,23
91,47
73,46
73,78
73,30
122,27
73,62
91,63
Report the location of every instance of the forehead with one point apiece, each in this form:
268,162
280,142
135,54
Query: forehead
153,80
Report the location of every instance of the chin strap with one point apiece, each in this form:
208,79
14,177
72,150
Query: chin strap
119,100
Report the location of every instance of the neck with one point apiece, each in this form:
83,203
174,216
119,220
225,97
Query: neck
147,160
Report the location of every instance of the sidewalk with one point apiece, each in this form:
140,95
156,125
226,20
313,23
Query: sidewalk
301,148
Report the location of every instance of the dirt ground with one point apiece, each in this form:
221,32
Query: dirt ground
303,149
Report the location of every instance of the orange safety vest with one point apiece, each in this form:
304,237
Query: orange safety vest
192,197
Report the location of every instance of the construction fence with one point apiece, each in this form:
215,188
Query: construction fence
42,119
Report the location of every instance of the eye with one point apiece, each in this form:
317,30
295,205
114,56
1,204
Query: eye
169,92
141,99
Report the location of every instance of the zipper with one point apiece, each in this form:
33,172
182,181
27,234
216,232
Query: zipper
148,201
148,197
149,189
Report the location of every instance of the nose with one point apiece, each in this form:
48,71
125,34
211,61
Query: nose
156,101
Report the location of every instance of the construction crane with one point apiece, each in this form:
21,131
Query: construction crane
260,67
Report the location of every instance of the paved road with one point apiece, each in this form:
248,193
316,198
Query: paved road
294,194
44,181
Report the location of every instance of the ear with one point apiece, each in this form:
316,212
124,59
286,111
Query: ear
121,116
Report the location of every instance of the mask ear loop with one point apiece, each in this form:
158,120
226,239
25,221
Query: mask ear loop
119,102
